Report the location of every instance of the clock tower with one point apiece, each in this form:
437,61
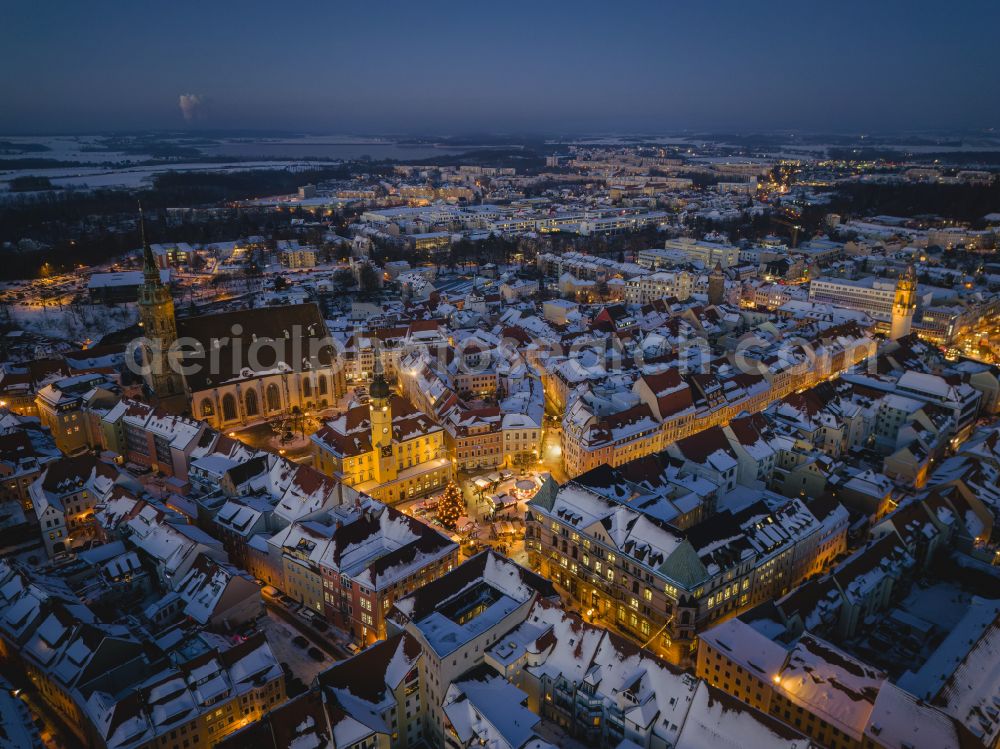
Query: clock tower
904,304
380,410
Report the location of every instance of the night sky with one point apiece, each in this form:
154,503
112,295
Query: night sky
541,66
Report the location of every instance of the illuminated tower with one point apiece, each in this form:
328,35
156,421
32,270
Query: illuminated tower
716,285
156,314
905,303
380,408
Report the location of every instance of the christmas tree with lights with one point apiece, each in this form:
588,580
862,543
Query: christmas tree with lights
451,506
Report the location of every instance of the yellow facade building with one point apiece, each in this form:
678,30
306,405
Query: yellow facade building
386,449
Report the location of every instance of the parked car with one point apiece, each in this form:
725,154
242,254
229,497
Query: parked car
353,648
316,654
300,641
307,615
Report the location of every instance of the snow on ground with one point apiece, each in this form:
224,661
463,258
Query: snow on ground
557,736
279,634
942,604
74,322
139,176
83,148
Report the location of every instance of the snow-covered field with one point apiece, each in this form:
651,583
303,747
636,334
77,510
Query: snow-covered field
97,167
74,322
86,149
139,176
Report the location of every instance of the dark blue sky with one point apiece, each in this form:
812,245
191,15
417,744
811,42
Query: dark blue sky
500,66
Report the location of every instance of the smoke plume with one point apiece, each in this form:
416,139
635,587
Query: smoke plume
193,106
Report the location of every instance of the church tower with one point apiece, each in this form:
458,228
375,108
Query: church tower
716,285
380,409
905,303
475,300
156,313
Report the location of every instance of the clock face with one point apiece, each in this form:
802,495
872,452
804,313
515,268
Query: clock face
385,430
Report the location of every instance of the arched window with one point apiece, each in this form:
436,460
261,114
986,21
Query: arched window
229,407
207,409
273,397
252,405
321,384
307,388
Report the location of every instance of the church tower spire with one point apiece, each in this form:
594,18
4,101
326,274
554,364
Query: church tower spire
150,271
904,304
159,327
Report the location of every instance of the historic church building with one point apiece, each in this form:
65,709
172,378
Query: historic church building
240,367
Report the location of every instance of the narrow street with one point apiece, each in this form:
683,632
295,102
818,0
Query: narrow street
280,632
54,732
552,452
327,642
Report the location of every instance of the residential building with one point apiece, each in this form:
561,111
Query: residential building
813,686
660,584
61,408
64,498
